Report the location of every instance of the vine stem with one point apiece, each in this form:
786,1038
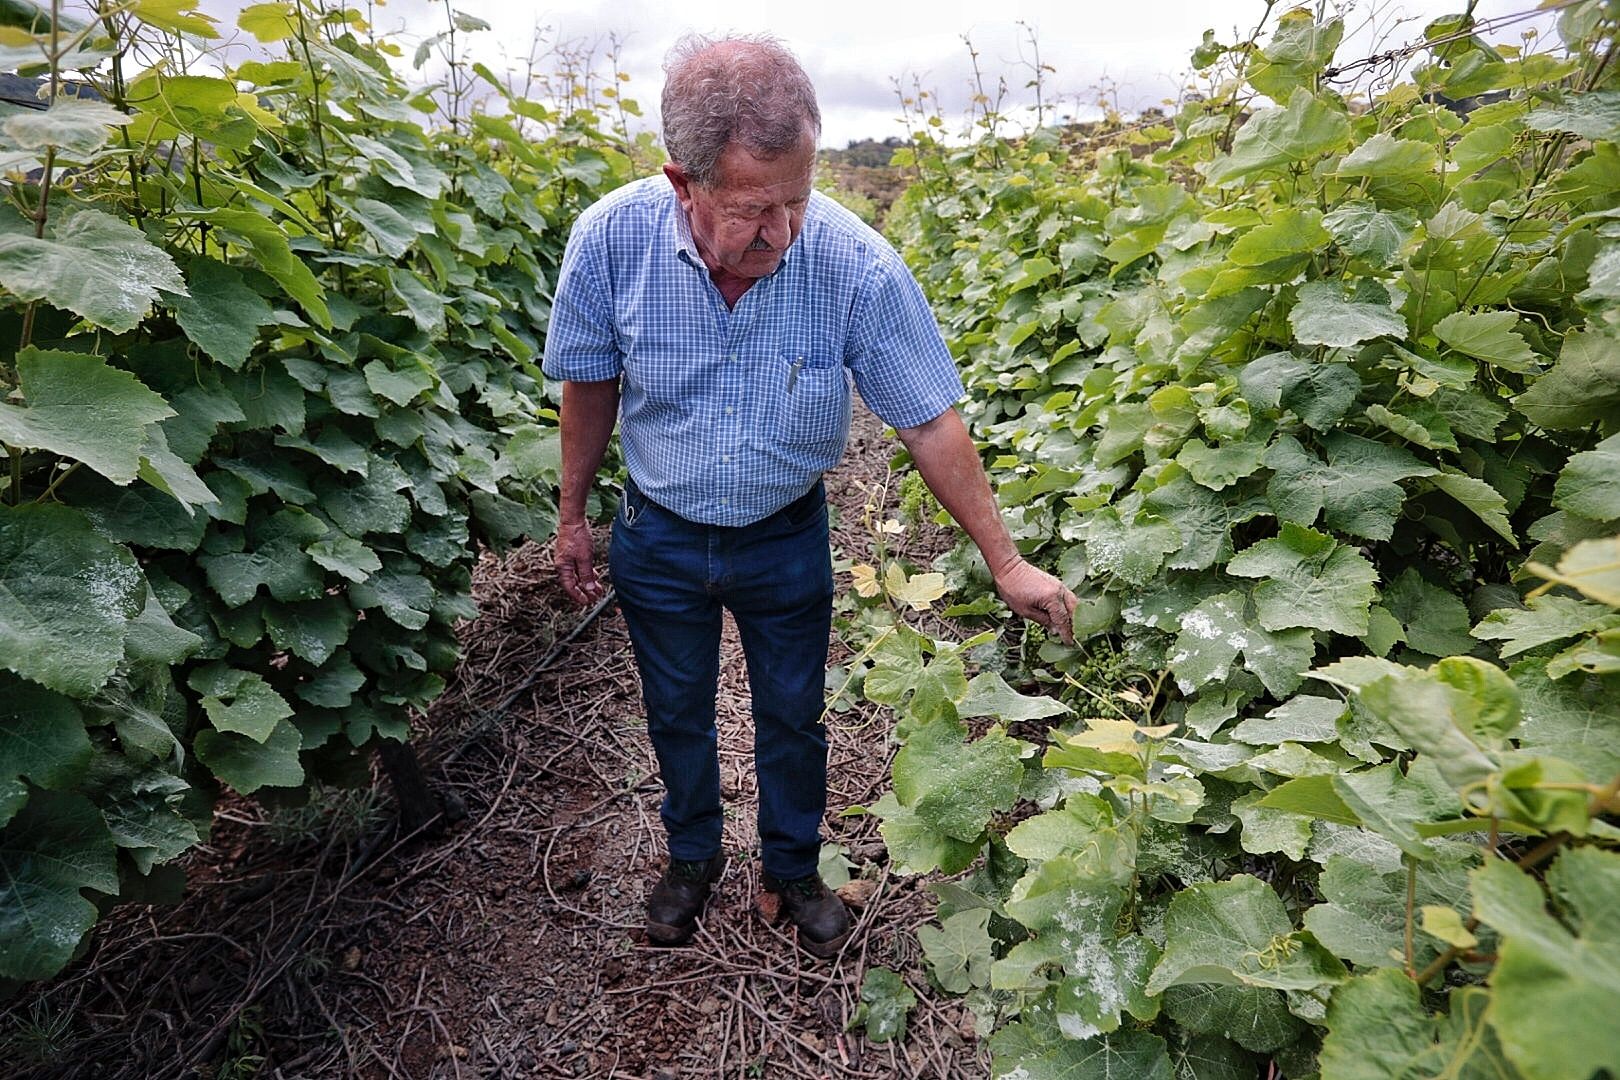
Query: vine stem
41,215
61,477
1529,860
1411,909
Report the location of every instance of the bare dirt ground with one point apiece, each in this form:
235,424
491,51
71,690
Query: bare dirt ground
316,943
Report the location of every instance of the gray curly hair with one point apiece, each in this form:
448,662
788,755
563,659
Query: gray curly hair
749,89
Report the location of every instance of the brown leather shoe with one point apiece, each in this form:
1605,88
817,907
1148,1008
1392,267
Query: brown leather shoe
678,898
821,917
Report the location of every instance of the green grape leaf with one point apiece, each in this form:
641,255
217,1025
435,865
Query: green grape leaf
91,264
1570,718
153,831
332,446
221,314
163,469
1218,629
1306,718
1556,984
56,845
312,629
1432,619
1488,336
400,387
1024,1051
958,951
1129,546
904,679
277,562
153,638
953,786
1238,932
1203,519
1363,230
392,230
1297,54
1393,804
403,596
1220,466
989,695
1310,581
425,307
534,453
1591,115
1290,231
1356,491
1590,483
1319,394
1384,157
264,237
346,556
1314,797
1419,422
1254,1017
1084,830
247,764
1544,620
915,845
1591,567
1266,830
374,504
334,686
1322,316
1581,389
1378,1029
66,598
42,736
885,1002
1482,499
1363,917
79,407
78,125
1305,129
239,701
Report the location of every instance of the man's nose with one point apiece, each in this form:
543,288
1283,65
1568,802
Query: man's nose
776,231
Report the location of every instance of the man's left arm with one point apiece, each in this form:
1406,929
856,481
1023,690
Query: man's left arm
944,454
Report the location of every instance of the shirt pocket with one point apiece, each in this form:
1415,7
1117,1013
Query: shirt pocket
815,399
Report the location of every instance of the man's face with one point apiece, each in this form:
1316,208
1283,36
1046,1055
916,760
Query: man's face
754,210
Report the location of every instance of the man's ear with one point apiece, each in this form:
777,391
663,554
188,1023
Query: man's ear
680,182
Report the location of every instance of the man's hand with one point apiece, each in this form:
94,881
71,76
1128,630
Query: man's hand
1037,596
575,570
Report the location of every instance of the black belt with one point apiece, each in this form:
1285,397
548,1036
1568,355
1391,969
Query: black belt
804,504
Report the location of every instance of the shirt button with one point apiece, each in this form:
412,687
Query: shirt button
724,501
729,410
725,457
733,356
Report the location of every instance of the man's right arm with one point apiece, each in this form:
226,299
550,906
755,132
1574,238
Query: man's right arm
589,410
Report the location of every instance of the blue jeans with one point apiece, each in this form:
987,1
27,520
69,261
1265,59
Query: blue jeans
775,576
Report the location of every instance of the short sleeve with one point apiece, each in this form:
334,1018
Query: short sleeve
581,345
901,365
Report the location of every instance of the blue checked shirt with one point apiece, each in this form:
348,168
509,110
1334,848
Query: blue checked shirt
726,416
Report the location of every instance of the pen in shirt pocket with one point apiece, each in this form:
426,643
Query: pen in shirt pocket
793,373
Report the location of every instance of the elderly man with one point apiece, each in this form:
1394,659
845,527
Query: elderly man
719,313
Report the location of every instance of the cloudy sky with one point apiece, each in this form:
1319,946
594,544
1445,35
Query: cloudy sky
855,49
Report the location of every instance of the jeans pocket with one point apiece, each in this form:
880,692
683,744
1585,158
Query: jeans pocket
631,507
